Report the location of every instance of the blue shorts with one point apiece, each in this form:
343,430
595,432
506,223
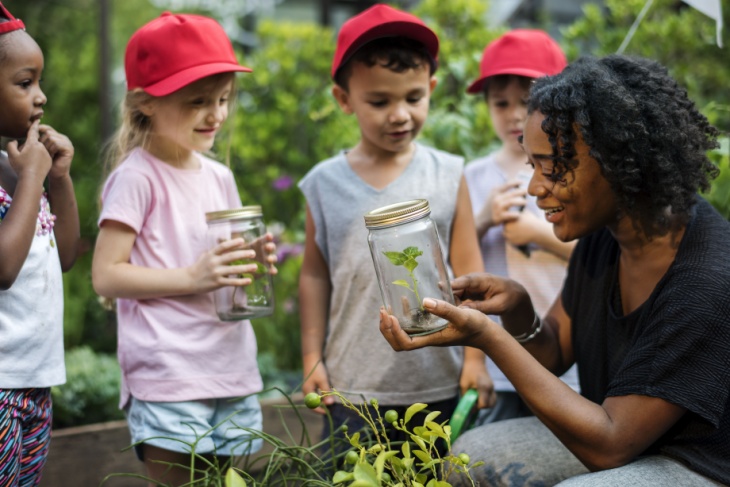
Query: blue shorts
211,426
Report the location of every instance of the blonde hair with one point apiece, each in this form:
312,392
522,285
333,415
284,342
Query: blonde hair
133,132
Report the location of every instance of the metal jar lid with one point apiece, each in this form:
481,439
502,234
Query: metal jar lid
397,214
243,212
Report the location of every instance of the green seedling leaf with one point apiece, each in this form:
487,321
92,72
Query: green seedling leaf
396,258
233,479
413,409
407,259
404,283
413,252
410,264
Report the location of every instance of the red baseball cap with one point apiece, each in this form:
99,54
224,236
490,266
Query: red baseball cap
175,50
377,22
12,24
523,52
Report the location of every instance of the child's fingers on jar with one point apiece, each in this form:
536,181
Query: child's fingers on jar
228,245
234,256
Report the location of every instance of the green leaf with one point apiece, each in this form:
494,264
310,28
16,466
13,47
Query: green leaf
423,456
419,441
413,409
233,479
380,461
410,264
404,283
342,476
406,449
431,416
365,473
396,258
413,252
355,440
433,426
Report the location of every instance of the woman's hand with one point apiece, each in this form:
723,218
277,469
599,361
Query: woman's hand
466,327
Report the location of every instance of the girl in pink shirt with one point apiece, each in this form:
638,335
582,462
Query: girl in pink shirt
181,366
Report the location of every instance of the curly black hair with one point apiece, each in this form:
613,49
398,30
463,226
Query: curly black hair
645,133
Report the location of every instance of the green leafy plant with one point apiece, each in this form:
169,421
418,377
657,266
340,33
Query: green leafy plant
375,461
407,259
370,459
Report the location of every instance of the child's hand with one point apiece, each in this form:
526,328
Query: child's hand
506,202
61,150
31,159
271,257
501,205
213,269
317,380
524,230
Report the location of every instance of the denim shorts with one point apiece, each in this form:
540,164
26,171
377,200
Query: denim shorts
208,426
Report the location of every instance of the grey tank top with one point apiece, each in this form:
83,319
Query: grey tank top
359,361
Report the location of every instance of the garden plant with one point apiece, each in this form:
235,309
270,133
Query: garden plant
368,460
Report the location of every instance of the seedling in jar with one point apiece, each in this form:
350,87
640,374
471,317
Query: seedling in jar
407,259
260,269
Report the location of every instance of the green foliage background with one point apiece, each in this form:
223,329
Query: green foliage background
287,120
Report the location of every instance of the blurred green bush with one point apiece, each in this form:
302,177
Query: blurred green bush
91,392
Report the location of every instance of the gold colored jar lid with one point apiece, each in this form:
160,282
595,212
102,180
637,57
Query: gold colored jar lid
397,214
243,212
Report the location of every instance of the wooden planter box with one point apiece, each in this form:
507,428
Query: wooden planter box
84,455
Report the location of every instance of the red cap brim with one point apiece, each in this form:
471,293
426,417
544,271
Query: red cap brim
179,80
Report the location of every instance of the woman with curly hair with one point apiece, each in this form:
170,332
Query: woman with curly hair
618,157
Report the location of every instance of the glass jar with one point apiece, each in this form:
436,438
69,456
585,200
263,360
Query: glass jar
234,303
409,264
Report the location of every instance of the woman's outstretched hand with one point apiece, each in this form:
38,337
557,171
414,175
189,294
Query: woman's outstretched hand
479,294
466,327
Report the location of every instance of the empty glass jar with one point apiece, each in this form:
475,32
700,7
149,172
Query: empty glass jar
409,264
235,303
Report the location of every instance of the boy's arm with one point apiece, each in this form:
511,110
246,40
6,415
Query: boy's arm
61,195
465,257
315,290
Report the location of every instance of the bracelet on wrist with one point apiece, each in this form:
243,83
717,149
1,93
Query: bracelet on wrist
534,330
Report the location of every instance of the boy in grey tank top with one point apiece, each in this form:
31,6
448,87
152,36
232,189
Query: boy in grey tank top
383,72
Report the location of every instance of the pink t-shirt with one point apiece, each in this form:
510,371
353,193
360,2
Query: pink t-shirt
176,348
